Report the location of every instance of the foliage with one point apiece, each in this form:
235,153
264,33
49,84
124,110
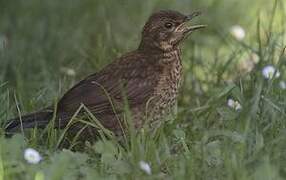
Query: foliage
46,46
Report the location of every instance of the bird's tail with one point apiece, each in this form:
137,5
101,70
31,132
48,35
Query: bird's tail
38,119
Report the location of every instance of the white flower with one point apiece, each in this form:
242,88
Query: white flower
145,167
237,32
32,156
68,71
268,72
282,84
234,104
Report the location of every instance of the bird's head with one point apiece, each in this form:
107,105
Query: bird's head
165,29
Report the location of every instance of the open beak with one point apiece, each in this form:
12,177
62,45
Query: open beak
187,28
195,27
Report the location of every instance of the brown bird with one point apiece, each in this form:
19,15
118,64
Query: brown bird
146,79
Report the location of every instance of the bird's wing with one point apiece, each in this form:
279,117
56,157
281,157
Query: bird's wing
129,80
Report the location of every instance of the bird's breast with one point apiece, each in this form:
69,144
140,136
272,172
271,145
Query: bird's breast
168,85
171,78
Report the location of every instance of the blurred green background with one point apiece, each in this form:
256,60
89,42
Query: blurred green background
47,46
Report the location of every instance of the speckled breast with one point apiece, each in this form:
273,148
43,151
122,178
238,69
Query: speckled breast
166,92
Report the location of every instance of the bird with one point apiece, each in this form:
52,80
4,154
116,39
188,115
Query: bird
147,80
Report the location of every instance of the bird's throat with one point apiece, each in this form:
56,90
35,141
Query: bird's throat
169,57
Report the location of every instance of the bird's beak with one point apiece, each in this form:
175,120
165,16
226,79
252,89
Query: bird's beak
189,28
195,27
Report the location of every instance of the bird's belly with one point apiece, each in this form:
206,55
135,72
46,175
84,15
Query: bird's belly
165,102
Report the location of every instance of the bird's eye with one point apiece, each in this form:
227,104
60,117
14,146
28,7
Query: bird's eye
168,25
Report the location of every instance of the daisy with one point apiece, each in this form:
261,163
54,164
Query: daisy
237,32
145,167
32,156
234,104
269,71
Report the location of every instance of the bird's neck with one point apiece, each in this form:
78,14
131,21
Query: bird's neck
169,57
163,56
149,45
162,51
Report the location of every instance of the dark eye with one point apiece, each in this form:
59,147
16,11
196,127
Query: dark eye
168,25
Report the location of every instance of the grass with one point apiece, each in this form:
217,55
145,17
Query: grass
205,140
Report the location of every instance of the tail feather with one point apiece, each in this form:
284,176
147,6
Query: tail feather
37,119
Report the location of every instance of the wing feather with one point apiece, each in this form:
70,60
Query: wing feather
131,77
